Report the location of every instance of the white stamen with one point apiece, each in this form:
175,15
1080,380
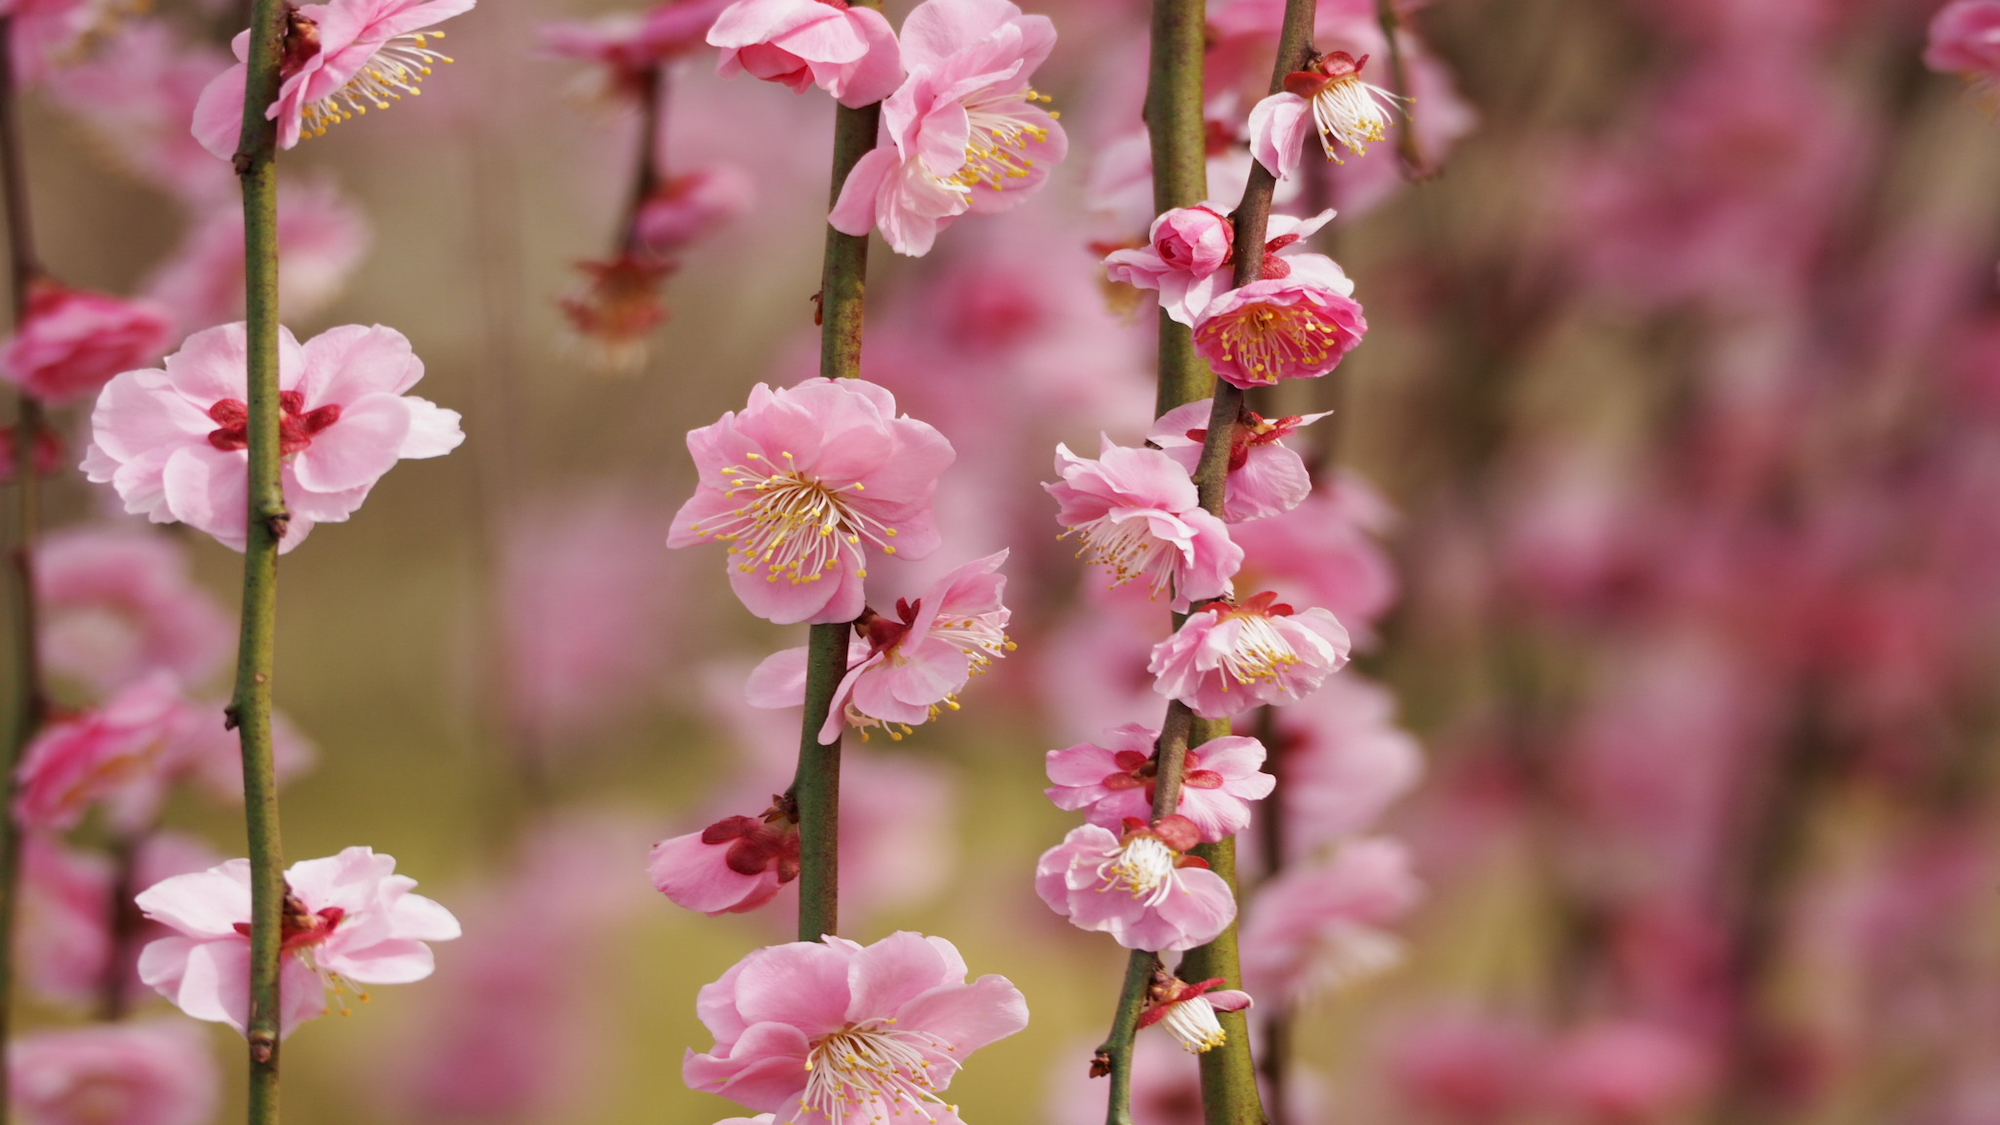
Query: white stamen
1261,652
1193,1023
1351,112
1144,868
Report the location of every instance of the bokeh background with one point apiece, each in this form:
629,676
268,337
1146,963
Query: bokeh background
1664,492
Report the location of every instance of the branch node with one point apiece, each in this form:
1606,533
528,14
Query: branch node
1100,1064
231,717
263,1046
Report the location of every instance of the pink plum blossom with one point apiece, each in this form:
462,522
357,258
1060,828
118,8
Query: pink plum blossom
117,603
630,45
1191,250
322,238
849,52
148,1073
1141,889
1282,328
901,670
46,34
1326,552
65,940
348,919
1187,1011
1226,659
73,341
832,1032
963,133
1965,39
1136,512
342,59
1091,670
1266,477
736,864
1115,782
124,754
692,205
173,441
1344,762
1329,98
1317,927
135,94
802,485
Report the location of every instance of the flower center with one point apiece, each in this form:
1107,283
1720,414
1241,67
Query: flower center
1144,867
1261,652
795,526
997,139
870,1070
1125,544
297,426
302,929
1193,1023
1350,112
1269,340
393,70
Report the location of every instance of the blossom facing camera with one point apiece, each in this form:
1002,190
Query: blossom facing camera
144,1073
1114,782
349,919
837,1033
736,864
174,441
73,341
1226,659
1280,328
802,485
1329,97
1141,889
1136,512
341,59
848,51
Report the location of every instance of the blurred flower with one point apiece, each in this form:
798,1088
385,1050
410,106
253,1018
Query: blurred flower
628,45
73,341
1136,512
1141,889
1965,40
1330,97
341,59
117,603
1091,668
45,34
1464,1067
616,308
136,94
150,1073
123,754
322,238
1188,1011
844,1032
692,205
802,484
1315,928
1344,761
1115,783
1226,659
50,453
1284,328
347,919
1324,552
1266,478
736,864
64,937
174,442
963,133
850,52
1627,1073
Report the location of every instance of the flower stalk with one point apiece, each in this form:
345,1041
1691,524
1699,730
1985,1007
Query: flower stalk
250,707
1175,127
816,787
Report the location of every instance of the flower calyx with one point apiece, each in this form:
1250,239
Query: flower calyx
760,843
301,42
1253,429
1136,770
301,927
297,426
1176,832
1323,71
883,634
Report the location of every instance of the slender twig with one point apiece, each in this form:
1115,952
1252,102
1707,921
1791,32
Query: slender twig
1271,1059
250,708
30,700
816,787
1114,1055
1407,148
123,923
646,176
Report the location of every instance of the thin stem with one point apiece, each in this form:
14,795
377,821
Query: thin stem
645,177
123,923
250,708
1180,168
1229,1093
30,699
1399,75
1114,1055
1271,1061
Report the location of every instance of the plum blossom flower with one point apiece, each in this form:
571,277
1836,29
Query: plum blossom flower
1320,926
122,754
49,455
65,943
1965,40
850,52
73,341
1190,249
148,1073
1280,328
1332,98
615,308
1266,477
322,238
832,1032
1226,659
901,670
630,45
963,133
135,94
1140,888
46,34
802,485
693,204
1345,761
174,441
118,603
1136,512
342,58
1115,782
1326,552
1188,1011
736,864
348,919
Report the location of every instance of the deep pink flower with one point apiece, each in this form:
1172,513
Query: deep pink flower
118,603
849,52
1320,926
1266,477
73,341
628,45
830,1032
901,670
1344,762
349,919
963,133
1330,99
1115,781
736,864
1325,552
1136,512
1188,1011
1283,328
1965,39
690,206
173,442
802,485
1226,659
1141,889
124,754
1192,250
343,58
322,239
1628,1073
149,1073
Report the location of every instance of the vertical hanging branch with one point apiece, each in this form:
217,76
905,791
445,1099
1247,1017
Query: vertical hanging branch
29,701
1407,149
816,788
250,708
1180,169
